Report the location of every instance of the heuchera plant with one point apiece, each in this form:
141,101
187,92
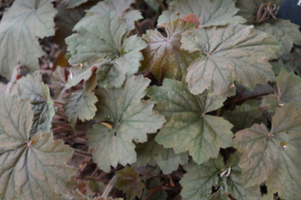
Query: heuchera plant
207,106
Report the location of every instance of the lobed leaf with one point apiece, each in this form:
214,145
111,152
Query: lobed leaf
154,154
77,195
233,185
271,155
121,8
100,47
159,194
199,179
128,180
153,4
285,32
73,3
288,90
82,72
124,118
209,12
81,104
188,127
19,27
30,168
66,19
58,79
245,116
94,39
31,87
163,55
232,53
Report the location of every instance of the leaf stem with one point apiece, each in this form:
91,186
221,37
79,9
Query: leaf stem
161,4
58,102
109,187
150,195
139,31
88,179
73,136
245,98
170,180
82,153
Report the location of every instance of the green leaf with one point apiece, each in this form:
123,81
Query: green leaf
129,182
77,195
293,61
66,19
125,118
154,154
163,55
96,40
58,80
153,4
220,195
288,90
82,72
248,8
245,116
30,168
114,74
130,54
19,27
32,88
199,179
104,50
210,13
111,73
81,104
232,53
271,155
74,195
232,184
121,8
276,67
159,194
285,32
73,3
186,113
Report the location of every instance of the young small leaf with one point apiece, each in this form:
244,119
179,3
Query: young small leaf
229,53
188,127
81,104
129,118
129,182
163,55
